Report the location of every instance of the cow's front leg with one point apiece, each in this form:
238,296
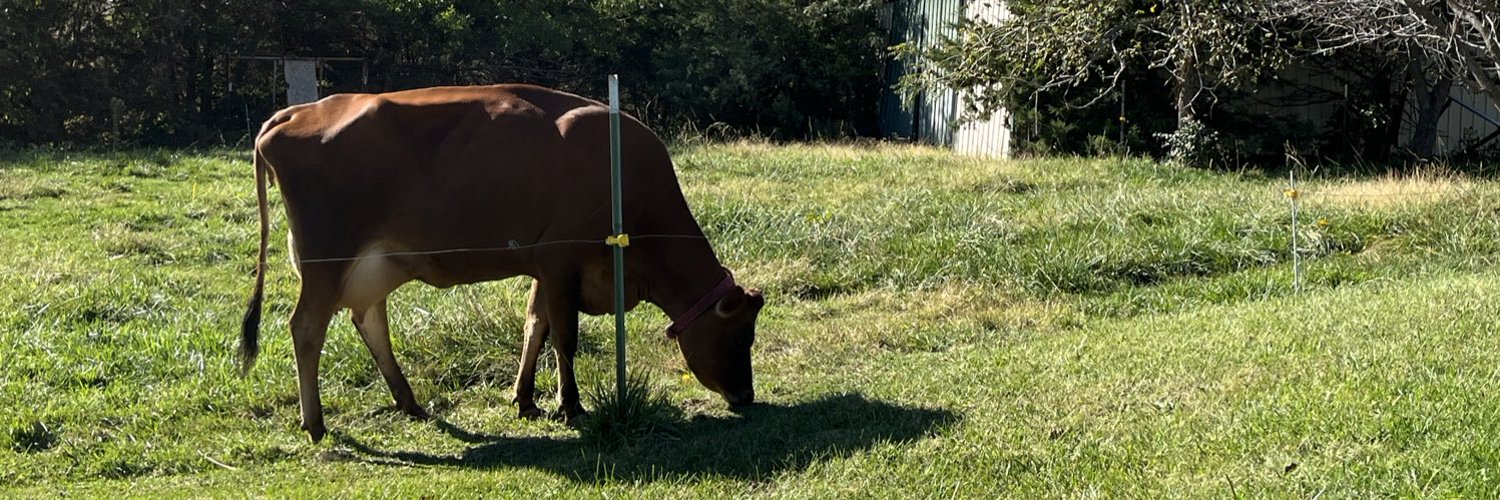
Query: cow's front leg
561,304
536,334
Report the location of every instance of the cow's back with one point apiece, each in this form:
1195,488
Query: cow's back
462,168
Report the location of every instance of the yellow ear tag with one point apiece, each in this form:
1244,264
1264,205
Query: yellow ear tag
621,240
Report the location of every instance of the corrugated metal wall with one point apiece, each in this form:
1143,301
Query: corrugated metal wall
991,135
933,116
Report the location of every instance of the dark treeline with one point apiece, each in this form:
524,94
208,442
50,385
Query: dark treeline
173,72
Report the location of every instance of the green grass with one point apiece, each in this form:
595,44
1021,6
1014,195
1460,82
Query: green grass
936,326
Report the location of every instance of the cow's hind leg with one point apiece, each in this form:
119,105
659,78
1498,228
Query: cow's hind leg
310,319
374,328
536,334
561,305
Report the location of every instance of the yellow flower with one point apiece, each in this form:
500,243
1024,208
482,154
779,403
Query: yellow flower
1322,222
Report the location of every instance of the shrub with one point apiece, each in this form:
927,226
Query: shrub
1193,144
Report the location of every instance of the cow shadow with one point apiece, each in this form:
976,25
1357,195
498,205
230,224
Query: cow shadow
757,442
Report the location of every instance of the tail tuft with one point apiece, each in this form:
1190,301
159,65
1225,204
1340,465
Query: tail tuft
249,336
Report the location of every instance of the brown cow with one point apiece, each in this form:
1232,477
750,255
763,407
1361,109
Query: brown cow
459,185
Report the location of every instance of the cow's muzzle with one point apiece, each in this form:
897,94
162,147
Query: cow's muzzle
740,398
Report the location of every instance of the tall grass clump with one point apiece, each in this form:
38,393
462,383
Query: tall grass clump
618,420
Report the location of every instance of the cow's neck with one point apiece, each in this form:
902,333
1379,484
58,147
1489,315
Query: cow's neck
684,277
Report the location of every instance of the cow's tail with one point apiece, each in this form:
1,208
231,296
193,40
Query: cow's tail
250,328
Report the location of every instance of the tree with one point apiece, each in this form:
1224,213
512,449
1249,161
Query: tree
156,72
46,59
1443,41
1200,45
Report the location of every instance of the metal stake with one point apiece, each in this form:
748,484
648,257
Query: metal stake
619,228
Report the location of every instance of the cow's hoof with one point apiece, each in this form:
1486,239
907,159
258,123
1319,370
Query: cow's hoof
532,413
316,432
574,417
417,413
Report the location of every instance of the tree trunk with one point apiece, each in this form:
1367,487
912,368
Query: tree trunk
1380,144
1189,83
1432,101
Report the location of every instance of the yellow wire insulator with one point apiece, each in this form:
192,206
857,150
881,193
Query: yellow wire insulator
621,240
1292,193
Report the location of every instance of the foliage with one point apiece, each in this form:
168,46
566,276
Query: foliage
63,61
1193,143
1062,68
1457,38
152,72
772,66
1200,44
1060,121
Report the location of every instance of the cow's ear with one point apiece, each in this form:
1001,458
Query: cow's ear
731,303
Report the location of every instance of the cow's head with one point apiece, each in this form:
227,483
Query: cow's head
717,345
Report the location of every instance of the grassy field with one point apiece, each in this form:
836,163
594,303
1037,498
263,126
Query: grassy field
937,326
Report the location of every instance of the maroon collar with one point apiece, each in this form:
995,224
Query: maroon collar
681,321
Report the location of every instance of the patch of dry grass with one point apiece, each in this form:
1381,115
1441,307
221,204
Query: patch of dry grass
1393,190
